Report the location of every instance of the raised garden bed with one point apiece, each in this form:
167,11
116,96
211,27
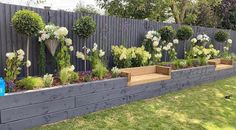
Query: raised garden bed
221,64
37,107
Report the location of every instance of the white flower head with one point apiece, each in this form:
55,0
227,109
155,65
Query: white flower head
28,63
101,53
230,41
158,49
155,43
194,40
68,41
72,68
115,70
20,52
176,41
71,48
95,47
80,55
10,55
20,57
61,32
199,37
88,50
170,44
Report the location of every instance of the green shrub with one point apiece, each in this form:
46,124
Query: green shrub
221,36
67,75
167,33
99,70
27,22
48,80
84,27
184,32
30,83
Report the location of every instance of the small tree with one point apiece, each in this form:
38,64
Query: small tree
184,33
167,33
84,28
27,23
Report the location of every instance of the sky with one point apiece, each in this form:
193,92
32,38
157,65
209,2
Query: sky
55,4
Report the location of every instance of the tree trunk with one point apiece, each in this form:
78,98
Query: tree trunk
85,54
27,55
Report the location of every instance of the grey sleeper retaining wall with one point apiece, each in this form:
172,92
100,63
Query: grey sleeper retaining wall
33,108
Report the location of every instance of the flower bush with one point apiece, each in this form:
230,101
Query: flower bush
152,45
130,57
115,72
227,46
95,56
48,80
169,48
14,62
67,75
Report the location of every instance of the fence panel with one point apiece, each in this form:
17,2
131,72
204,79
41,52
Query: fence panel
110,31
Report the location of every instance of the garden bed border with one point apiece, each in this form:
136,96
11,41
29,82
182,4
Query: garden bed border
38,107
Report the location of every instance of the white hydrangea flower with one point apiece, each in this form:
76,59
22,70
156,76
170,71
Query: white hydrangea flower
95,47
68,41
62,31
158,49
88,50
159,55
170,44
28,63
199,37
20,52
40,40
122,56
80,55
230,41
72,68
10,55
165,48
71,48
115,70
211,46
155,43
176,41
194,40
101,53
45,36
20,57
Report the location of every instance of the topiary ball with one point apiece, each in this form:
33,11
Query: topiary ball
27,22
84,27
221,36
167,33
184,32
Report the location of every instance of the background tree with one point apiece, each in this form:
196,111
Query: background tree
89,9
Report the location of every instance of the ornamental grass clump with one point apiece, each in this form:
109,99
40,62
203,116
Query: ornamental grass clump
27,23
84,28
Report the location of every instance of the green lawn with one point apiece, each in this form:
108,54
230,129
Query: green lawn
199,108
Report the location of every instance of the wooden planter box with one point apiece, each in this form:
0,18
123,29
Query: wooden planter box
146,74
221,64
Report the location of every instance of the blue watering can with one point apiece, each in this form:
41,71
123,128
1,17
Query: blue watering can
2,87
